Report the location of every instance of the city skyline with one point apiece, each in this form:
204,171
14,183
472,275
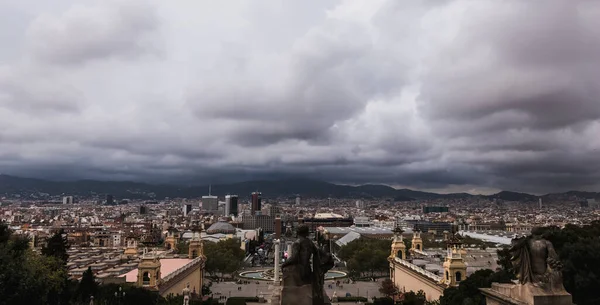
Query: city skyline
451,96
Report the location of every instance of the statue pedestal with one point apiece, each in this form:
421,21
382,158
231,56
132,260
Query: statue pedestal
297,295
527,294
300,295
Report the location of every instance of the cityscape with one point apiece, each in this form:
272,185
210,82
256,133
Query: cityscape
118,239
321,152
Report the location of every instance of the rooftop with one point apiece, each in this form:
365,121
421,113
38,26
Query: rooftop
167,266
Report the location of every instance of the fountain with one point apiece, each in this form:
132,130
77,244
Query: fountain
269,275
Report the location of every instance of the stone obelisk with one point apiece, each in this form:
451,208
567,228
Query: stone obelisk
276,296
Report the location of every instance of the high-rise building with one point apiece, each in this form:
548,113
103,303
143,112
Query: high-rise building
278,227
143,210
68,200
297,200
273,210
110,200
265,222
210,203
187,208
231,205
256,203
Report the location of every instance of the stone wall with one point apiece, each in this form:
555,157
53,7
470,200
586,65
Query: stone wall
175,285
408,279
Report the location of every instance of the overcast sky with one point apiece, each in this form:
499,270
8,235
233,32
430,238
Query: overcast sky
470,96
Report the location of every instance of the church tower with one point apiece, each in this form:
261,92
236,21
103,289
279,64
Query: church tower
172,238
196,247
455,269
398,247
149,272
417,242
131,245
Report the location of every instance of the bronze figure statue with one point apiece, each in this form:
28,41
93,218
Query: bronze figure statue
535,262
307,266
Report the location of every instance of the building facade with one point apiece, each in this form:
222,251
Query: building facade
256,205
231,205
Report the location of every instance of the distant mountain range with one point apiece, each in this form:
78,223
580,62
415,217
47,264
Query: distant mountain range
10,185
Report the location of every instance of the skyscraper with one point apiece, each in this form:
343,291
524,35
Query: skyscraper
256,203
109,199
210,203
231,205
187,208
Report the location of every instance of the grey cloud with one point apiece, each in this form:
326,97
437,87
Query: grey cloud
325,79
432,95
30,94
84,33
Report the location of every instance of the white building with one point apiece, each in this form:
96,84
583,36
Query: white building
68,200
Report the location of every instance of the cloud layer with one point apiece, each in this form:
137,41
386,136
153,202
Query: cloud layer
445,95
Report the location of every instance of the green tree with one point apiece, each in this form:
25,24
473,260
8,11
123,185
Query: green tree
412,298
383,301
504,261
366,257
183,248
578,248
224,257
57,246
388,288
468,290
25,276
87,286
206,288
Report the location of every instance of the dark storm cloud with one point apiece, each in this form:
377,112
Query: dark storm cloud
445,95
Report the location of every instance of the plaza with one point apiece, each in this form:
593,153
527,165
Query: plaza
258,288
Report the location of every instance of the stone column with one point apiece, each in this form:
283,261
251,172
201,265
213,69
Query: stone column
289,249
277,256
276,289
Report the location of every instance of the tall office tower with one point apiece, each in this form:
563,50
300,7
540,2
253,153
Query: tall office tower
143,210
256,203
210,203
231,205
68,200
277,227
540,203
110,200
187,208
297,200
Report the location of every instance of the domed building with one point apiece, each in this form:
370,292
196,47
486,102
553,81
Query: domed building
221,227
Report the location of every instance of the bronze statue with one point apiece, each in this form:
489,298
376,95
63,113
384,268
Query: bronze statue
536,262
298,270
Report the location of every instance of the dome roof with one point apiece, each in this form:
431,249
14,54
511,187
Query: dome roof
221,227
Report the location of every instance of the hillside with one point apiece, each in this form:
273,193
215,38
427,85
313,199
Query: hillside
31,188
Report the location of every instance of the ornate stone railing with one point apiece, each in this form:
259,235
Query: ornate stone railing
418,269
419,252
183,269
